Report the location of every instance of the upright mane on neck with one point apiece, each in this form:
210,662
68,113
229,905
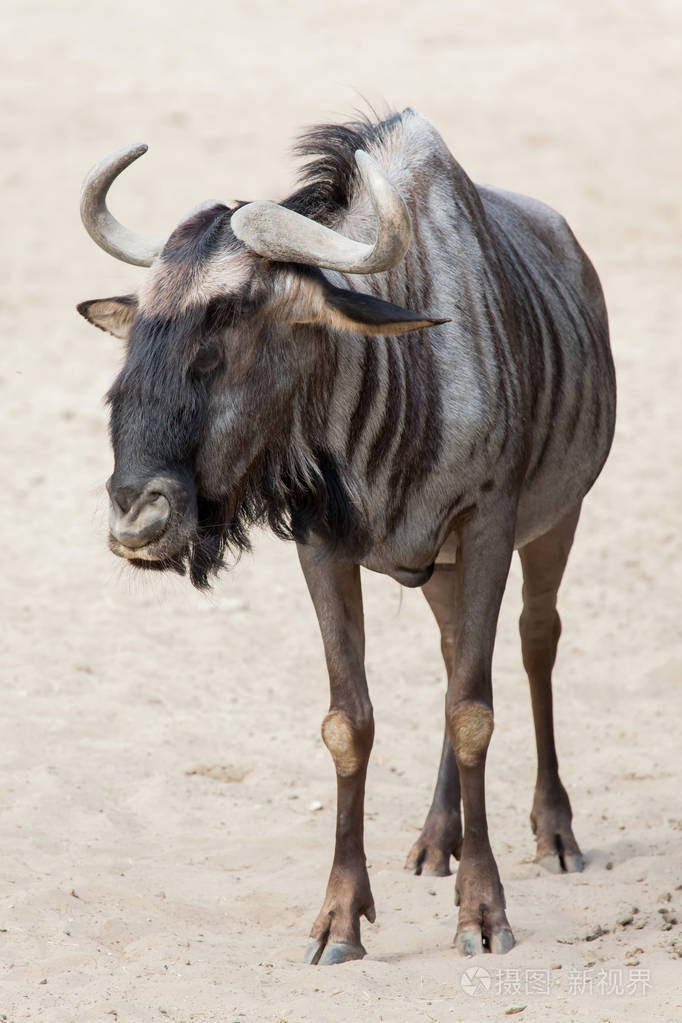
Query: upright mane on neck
328,179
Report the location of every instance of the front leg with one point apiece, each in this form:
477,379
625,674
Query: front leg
348,733
484,553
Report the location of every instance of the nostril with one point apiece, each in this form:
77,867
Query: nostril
157,500
145,520
125,497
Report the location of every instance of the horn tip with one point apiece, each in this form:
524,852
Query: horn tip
134,151
131,152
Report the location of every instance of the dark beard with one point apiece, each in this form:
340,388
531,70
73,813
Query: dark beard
291,503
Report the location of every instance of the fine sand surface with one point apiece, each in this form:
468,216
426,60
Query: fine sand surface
160,750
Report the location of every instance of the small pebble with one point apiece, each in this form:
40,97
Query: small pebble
315,805
609,865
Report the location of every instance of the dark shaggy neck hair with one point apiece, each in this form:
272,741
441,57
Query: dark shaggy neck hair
291,503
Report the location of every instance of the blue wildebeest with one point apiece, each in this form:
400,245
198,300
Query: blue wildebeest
267,380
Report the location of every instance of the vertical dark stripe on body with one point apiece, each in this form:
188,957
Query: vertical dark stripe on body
366,396
393,406
399,478
500,335
593,346
555,358
569,305
552,357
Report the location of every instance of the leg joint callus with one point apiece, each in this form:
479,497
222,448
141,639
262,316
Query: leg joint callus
348,742
471,727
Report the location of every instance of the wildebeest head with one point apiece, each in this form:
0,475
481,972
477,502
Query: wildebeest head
229,326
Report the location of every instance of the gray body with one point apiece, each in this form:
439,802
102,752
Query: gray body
522,374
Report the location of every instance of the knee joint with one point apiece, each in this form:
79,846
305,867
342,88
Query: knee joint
348,742
539,621
539,639
470,727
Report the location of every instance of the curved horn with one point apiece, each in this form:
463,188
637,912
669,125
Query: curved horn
102,227
283,235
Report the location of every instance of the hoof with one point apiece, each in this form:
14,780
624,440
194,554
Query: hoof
469,942
574,863
341,952
562,862
313,952
320,954
550,862
501,943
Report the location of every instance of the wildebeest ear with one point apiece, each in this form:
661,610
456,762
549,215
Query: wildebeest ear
342,309
115,315
370,315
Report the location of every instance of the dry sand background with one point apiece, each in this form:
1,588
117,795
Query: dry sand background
160,750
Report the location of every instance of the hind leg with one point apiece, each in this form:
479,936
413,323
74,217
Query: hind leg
441,836
543,562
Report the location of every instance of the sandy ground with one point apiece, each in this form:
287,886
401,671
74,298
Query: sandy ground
160,750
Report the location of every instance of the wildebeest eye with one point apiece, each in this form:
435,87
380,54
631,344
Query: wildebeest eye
207,358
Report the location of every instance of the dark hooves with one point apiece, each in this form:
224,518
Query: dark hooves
469,942
501,942
320,953
562,862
